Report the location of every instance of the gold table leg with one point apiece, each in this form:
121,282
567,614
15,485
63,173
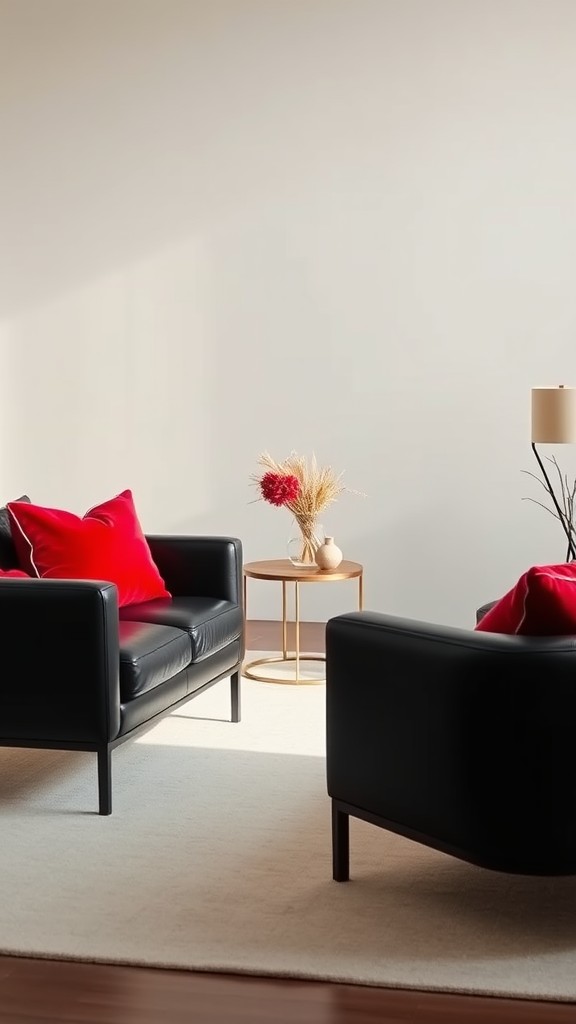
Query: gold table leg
297,627
284,622
249,666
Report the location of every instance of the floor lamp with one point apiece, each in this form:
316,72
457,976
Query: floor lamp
554,422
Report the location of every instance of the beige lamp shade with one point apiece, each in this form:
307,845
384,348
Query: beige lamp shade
554,415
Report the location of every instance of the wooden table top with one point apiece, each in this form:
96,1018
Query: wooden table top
282,569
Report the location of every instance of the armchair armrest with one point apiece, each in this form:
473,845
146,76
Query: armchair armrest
454,734
59,661
200,566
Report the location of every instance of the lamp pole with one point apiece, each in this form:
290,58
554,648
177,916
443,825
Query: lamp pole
561,513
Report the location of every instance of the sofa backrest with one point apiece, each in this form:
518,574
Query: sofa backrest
8,556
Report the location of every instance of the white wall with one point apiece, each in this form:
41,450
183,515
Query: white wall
346,226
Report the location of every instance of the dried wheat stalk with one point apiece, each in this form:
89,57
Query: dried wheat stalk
320,486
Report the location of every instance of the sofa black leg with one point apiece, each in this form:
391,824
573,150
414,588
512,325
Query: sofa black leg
340,844
235,696
104,780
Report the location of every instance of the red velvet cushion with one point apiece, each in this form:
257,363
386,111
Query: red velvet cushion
105,544
543,603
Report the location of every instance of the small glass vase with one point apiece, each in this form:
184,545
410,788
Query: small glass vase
303,543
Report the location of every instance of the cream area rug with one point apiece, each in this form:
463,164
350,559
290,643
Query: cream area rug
217,857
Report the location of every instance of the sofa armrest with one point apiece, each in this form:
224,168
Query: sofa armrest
59,660
200,566
450,729
384,628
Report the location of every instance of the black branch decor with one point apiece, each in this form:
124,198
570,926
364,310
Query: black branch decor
564,508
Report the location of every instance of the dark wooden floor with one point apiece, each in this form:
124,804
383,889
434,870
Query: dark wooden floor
262,635
49,991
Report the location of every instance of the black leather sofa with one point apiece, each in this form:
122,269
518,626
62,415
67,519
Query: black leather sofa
77,673
458,739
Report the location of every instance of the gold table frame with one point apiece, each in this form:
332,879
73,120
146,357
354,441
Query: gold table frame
282,570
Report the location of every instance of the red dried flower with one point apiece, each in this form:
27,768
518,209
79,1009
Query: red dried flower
279,488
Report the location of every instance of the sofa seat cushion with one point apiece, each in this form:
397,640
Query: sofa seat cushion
149,656
209,622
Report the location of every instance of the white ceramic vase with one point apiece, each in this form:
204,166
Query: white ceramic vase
328,555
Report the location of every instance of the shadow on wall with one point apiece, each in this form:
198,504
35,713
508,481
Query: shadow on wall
207,253
119,134
123,367
107,391
127,128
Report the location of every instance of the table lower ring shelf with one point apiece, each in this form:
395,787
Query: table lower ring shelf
249,666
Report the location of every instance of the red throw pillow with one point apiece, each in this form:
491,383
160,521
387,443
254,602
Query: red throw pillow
105,544
543,603
14,573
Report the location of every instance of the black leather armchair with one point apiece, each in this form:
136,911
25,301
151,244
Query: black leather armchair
77,673
460,740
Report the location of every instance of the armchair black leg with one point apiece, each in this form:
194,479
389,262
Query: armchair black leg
104,780
235,695
340,844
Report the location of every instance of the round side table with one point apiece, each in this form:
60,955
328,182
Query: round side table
283,571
